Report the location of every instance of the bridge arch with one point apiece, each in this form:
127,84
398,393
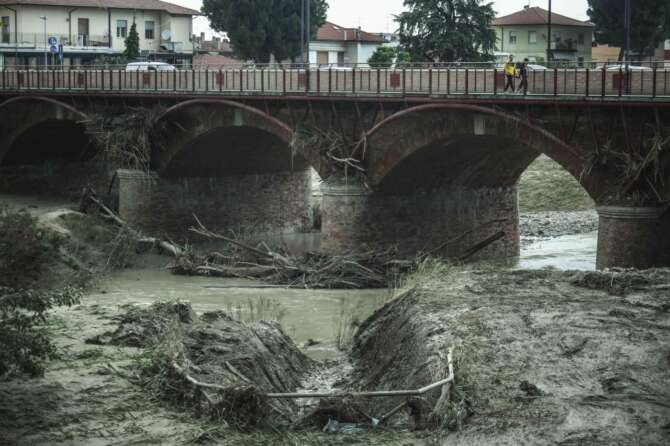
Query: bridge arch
36,120
216,137
442,145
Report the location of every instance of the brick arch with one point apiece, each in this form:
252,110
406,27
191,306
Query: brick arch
464,145
224,123
21,113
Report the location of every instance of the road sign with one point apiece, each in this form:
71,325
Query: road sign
53,41
53,49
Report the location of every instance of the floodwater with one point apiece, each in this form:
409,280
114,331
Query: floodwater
318,320
567,252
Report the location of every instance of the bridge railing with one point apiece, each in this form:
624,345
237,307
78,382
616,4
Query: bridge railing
340,81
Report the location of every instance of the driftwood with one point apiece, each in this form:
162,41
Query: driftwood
374,269
89,198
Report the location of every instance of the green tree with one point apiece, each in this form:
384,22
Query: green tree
383,56
650,23
447,30
259,29
132,42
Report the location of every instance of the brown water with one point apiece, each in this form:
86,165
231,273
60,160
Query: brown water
318,315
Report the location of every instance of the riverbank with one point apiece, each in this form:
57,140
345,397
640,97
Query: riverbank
542,357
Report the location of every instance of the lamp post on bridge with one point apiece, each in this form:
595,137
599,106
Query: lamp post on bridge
46,61
549,34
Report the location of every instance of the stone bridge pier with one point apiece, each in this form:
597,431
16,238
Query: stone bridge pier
229,164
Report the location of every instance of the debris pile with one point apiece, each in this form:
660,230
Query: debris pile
212,364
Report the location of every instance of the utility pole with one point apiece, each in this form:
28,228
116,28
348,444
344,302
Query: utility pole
309,29
627,25
549,34
46,62
302,30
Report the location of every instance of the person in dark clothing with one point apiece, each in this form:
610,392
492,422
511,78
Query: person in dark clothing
523,74
510,72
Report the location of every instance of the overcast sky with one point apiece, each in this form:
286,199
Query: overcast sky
377,15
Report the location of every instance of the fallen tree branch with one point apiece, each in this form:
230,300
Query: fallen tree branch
90,196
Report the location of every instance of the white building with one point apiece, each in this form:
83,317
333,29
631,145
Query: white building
89,29
337,45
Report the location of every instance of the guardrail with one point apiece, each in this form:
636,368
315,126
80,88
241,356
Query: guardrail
343,81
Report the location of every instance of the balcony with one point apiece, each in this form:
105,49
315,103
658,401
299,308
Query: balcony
39,40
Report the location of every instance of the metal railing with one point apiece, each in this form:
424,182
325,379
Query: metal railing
321,80
37,40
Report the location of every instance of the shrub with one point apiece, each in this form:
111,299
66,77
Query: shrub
25,250
24,340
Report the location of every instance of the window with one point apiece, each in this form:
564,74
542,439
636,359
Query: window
4,24
512,37
121,28
340,58
580,39
149,30
532,37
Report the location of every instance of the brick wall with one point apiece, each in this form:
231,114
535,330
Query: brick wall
355,220
249,205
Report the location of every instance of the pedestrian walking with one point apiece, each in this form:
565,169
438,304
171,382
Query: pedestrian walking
510,72
523,74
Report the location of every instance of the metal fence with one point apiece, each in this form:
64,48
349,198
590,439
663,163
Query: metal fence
432,80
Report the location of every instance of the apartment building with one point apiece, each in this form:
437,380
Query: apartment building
85,31
524,34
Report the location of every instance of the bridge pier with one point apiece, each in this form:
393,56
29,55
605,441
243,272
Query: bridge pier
355,219
249,205
633,237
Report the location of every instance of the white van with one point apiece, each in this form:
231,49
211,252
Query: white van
150,66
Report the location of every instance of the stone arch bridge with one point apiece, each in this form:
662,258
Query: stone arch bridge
421,170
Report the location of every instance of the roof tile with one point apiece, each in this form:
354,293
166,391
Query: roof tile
538,16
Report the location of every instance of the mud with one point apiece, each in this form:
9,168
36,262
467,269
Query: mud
542,357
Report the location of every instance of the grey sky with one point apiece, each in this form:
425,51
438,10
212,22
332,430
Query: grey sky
377,15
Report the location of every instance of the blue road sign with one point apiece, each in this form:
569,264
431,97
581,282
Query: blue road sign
53,41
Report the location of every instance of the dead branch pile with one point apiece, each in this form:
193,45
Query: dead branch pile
311,270
372,269
125,139
641,172
218,367
337,152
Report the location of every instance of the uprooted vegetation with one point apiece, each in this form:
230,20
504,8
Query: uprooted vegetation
641,170
125,139
239,363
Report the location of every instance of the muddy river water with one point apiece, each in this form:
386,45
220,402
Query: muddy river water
317,320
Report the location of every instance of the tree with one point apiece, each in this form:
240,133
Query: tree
385,56
650,23
447,30
259,29
132,42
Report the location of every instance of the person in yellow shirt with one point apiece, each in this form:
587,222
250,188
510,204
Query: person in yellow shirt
510,73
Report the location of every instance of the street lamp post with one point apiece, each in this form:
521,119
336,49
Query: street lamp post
308,14
46,62
549,34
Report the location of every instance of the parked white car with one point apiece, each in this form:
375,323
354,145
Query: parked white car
150,66
622,67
